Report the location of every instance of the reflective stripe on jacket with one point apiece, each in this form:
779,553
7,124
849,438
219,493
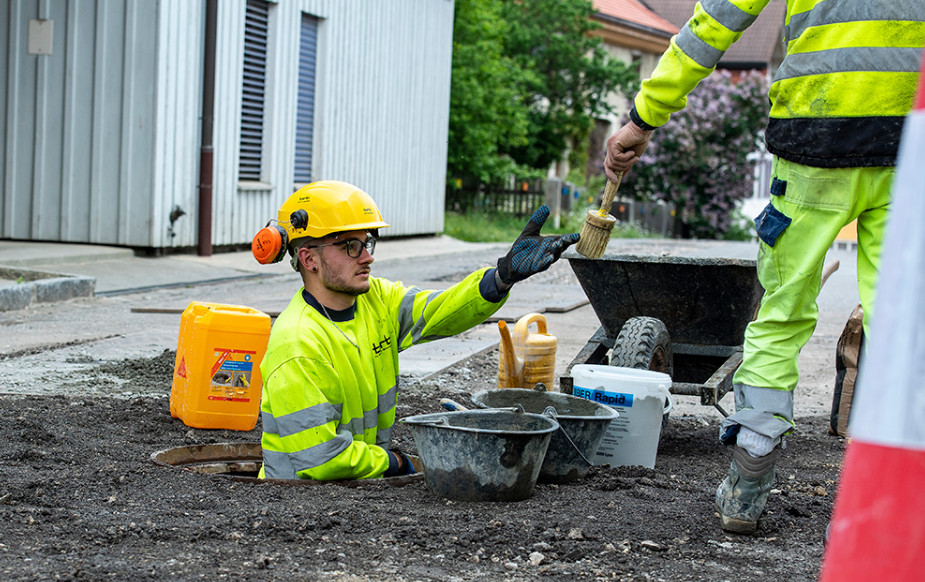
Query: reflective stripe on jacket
330,387
839,97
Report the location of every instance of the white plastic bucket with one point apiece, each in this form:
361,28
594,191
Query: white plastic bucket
642,398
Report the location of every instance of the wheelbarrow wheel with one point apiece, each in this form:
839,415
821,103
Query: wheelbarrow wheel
643,343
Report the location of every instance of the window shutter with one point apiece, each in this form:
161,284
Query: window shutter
256,36
305,114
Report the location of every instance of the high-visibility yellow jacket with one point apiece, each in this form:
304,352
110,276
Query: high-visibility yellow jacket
840,96
330,385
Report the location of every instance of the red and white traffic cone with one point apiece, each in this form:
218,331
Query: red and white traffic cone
877,530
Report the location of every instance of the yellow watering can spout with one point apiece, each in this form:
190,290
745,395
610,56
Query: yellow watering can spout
509,369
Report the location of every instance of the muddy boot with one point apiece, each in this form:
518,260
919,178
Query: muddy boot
741,497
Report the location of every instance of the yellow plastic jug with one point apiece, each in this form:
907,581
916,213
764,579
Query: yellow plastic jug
527,358
216,378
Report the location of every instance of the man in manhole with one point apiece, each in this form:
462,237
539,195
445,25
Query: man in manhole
330,374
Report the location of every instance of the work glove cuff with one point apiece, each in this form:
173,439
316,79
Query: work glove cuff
399,464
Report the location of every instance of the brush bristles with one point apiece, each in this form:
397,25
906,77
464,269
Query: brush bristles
595,235
593,242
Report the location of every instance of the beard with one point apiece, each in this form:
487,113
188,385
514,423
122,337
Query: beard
338,283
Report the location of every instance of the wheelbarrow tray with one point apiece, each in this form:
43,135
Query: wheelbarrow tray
705,292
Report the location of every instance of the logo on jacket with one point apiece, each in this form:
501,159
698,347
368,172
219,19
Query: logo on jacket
383,345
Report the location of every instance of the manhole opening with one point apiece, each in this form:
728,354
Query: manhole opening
241,462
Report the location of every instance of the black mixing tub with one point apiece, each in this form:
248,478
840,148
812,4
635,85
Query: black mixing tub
679,307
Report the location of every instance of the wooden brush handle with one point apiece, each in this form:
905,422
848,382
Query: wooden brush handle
610,190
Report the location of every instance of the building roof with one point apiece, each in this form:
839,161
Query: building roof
757,44
635,14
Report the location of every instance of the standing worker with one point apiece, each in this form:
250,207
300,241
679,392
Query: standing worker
838,103
330,373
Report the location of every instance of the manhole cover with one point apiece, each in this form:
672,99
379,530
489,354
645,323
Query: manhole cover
241,462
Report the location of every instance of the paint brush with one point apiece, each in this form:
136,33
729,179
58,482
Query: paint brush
598,225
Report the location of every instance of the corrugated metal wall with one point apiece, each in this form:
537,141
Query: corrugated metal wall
381,109
179,124
101,137
78,123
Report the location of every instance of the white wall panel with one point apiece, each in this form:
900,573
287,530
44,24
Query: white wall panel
229,55
179,122
139,83
19,133
381,110
77,165
100,139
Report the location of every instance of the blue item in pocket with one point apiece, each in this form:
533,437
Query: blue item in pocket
770,223
778,187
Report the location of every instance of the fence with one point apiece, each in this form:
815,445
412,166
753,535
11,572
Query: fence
761,185
516,197
522,197
656,217
761,175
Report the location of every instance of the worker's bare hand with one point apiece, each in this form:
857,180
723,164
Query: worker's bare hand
624,149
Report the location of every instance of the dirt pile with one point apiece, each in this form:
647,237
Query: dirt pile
81,500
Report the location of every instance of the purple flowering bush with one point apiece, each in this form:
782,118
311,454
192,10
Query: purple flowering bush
698,160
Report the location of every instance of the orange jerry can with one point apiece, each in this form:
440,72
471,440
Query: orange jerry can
216,376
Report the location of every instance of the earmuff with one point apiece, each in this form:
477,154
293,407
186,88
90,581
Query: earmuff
270,242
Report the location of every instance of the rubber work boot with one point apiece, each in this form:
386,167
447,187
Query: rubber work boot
741,497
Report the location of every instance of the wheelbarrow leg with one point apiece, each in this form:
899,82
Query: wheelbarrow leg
720,383
720,380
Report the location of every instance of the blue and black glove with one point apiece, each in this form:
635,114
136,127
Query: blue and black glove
531,252
399,464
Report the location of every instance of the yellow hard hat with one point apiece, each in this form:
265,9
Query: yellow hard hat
316,210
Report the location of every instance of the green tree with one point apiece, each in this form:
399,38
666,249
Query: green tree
488,116
570,75
698,160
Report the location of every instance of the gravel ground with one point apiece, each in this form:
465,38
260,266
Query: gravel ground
80,499
85,401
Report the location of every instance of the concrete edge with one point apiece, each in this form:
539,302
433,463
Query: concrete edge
41,287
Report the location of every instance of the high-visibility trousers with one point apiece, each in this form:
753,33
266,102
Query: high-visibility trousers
809,207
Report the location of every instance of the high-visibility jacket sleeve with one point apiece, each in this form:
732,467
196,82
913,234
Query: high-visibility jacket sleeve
840,96
693,55
428,315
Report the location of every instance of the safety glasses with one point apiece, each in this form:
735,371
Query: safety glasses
353,246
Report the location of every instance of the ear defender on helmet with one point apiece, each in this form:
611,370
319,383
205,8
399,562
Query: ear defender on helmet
269,244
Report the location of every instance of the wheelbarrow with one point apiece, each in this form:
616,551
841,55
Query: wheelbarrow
678,307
